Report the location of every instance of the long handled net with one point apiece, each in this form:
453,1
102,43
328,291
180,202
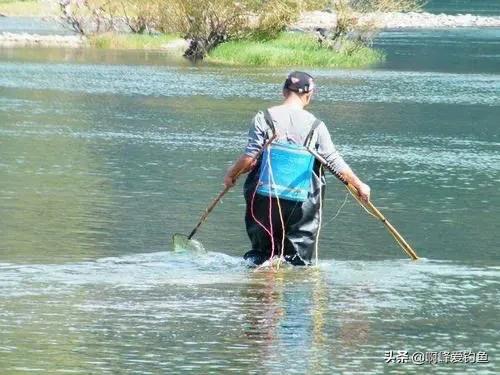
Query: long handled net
183,244
371,209
187,243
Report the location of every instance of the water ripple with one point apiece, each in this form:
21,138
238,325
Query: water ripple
181,313
337,85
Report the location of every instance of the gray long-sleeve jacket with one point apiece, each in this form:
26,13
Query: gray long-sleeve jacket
294,124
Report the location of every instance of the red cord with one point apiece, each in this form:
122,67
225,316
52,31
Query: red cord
269,231
257,220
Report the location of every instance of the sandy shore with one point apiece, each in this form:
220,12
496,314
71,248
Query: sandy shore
308,21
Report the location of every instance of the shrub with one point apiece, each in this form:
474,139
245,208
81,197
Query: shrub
273,17
139,15
207,23
88,16
130,40
386,5
291,49
350,32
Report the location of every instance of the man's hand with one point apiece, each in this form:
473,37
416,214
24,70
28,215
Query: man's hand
349,177
229,181
242,165
363,192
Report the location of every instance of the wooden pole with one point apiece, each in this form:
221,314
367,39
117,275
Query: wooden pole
223,192
372,209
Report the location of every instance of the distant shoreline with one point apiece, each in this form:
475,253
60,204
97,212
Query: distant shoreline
412,20
309,21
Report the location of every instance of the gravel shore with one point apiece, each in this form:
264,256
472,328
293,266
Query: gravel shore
411,20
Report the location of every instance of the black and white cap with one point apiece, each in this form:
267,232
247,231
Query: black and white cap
299,82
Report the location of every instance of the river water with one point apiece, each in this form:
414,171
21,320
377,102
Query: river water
104,155
478,7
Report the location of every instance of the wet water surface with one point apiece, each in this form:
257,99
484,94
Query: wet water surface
477,7
104,156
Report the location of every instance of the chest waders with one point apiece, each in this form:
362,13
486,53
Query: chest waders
282,196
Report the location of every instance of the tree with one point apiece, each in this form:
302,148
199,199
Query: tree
350,34
141,16
205,23
88,16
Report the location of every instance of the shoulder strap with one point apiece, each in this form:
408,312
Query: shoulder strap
308,140
270,122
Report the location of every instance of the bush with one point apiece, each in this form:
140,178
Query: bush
140,15
130,41
101,16
89,16
208,23
349,31
205,23
273,17
386,5
291,49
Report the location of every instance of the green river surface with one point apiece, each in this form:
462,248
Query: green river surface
105,154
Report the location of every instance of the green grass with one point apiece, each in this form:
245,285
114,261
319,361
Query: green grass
291,49
27,8
131,41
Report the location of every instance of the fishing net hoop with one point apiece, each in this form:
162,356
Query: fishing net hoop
181,244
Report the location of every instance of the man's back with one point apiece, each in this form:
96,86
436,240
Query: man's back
291,124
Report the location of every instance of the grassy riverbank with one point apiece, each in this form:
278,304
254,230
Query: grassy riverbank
292,49
289,49
131,41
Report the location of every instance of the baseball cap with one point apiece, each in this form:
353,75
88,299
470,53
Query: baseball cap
299,82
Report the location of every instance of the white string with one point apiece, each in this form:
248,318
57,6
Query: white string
316,245
361,203
273,184
340,209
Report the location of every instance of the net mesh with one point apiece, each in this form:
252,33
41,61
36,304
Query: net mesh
183,244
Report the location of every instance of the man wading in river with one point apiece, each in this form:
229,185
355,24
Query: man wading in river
285,186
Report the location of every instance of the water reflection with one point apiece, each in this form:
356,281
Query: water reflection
291,326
